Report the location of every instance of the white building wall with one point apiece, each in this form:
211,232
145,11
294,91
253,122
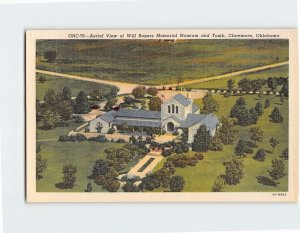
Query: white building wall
182,111
93,125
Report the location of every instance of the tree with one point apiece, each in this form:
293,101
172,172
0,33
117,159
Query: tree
210,105
230,85
272,84
42,79
202,139
252,117
218,185
66,94
277,170
285,89
50,56
245,84
69,177
111,185
216,143
100,168
110,103
234,171
139,92
259,108
282,98
276,116
273,142
39,110
260,155
89,187
149,182
152,91
49,118
81,105
285,154
176,183
155,104
257,84
50,100
227,132
65,110
267,103
236,108
256,134
129,186
241,148
41,163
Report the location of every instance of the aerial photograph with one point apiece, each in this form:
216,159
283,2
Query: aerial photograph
162,115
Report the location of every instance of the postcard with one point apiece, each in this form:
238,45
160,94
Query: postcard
185,115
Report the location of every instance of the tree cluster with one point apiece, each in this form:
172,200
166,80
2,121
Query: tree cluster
243,115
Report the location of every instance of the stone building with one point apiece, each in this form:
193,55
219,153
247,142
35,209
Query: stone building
178,113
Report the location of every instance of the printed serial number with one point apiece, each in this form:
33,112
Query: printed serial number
279,194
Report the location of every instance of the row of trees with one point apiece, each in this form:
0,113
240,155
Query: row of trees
254,85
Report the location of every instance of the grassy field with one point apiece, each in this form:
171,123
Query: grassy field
158,62
81,154
201,177
42,134
222,83
58,83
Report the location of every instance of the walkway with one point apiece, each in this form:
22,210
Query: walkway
137,170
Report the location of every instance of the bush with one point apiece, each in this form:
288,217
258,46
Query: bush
199,156
111,131
78,119
176,183
166,153
100,138
260,155
72,138
120,140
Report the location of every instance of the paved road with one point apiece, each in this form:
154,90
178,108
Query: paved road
128,87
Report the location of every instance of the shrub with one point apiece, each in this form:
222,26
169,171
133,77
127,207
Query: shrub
218,186
166,153
120,140
176,183
111,131
78,119
72,138
285,154
100,138
199,156
260,155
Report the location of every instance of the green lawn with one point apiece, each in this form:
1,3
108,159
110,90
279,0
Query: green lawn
201,177
58,83
222,83
158,62
81,154
42,134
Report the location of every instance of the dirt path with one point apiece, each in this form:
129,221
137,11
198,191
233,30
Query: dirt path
128,87
46,140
